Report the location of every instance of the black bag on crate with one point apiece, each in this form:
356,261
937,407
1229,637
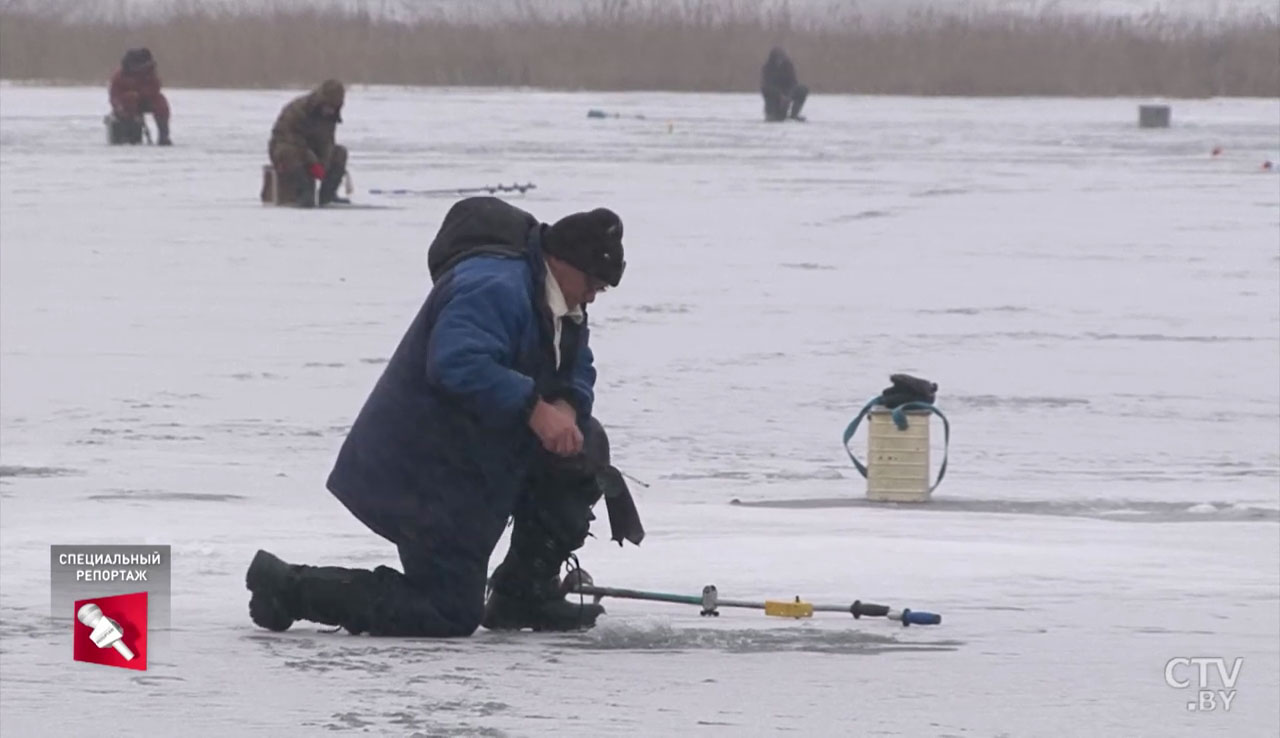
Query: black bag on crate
906,388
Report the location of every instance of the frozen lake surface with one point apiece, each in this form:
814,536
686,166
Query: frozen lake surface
1099,304
1209,10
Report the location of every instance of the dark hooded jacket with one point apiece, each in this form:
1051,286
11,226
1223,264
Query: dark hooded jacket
136,76
442,446
778,76
302,128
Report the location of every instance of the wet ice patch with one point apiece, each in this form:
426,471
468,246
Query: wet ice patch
939,192
1137,511
718,474
1158,337
1026,402
654,634
36,471
860,215
19,622
795,476
672,309
417,718
976,310
145,495
242,376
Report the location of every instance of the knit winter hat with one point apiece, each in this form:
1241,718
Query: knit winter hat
137,60
331,92
591,242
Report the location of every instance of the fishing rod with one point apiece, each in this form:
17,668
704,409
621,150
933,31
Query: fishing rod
711,602
598,114
595,113
487,189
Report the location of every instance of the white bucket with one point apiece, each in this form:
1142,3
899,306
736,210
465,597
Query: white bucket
897,460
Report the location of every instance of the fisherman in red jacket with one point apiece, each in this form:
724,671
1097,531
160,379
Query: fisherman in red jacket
135,90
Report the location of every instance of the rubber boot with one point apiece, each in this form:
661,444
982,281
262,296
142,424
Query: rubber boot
552,521
335,168
329,189
525,588
304,190
523,595
775,107
331,595
162,129
799,94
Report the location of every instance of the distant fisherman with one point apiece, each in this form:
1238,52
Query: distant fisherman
303,151
784,96
135,90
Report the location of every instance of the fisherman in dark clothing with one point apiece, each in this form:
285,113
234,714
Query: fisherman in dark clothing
303,149
135,90
483,413
784,96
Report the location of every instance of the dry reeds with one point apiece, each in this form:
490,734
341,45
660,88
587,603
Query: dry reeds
698,45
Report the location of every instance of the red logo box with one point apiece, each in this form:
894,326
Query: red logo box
111,631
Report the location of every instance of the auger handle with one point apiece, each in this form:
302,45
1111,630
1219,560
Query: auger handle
860,608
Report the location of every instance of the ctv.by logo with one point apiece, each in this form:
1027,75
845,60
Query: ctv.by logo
1207,698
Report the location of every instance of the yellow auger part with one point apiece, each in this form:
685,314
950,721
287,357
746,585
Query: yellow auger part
780,609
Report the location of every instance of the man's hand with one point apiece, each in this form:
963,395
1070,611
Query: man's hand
556,425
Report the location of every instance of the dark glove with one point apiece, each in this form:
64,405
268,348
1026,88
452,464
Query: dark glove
907,388
624,519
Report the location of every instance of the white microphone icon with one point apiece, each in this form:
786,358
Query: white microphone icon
106,632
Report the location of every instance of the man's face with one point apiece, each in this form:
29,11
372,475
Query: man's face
593,287
579,288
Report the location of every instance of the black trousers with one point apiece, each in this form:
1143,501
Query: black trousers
294,180
441,592
779,106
